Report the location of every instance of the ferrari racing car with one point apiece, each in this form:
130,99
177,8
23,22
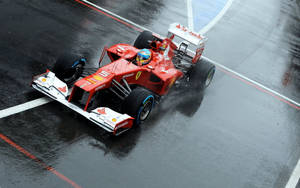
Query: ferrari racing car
121,93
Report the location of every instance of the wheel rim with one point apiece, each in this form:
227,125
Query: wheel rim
209,77
146,109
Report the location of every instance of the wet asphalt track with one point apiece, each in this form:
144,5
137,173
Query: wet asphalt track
233,135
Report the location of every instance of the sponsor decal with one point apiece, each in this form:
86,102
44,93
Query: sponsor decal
104,73
114,120
184,29
44,79
99,78
165,71
91,80
85,84
138,74
121,48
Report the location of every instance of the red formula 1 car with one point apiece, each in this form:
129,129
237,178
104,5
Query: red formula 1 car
122,93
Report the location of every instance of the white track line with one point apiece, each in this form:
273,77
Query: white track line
206,28
23,107
295,176
44,100
253,82
115,15
292,183
190,14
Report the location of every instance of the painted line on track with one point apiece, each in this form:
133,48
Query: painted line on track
35,103
215,18
294,179
40,162
23,107
190,14
255,84
44,100
295,176
111,15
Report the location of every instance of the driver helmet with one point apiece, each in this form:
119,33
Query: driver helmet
143,57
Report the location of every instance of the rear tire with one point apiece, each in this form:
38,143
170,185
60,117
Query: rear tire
69,67
138,105
201,75
144,40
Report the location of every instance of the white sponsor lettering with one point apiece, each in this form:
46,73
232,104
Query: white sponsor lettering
104,73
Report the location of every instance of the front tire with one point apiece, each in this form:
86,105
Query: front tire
139,105
69,67
144,40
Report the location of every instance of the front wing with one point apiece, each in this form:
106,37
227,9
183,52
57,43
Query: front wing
104,117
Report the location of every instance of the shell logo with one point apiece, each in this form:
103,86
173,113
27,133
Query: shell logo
99,78
138,74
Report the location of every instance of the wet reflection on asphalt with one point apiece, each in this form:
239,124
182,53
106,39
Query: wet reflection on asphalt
231,135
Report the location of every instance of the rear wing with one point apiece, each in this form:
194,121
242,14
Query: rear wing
186,34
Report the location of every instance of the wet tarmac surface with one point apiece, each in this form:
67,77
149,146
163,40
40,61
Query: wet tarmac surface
232,135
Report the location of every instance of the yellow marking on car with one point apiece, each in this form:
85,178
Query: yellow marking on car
172,82
99,78
138,74
91,81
